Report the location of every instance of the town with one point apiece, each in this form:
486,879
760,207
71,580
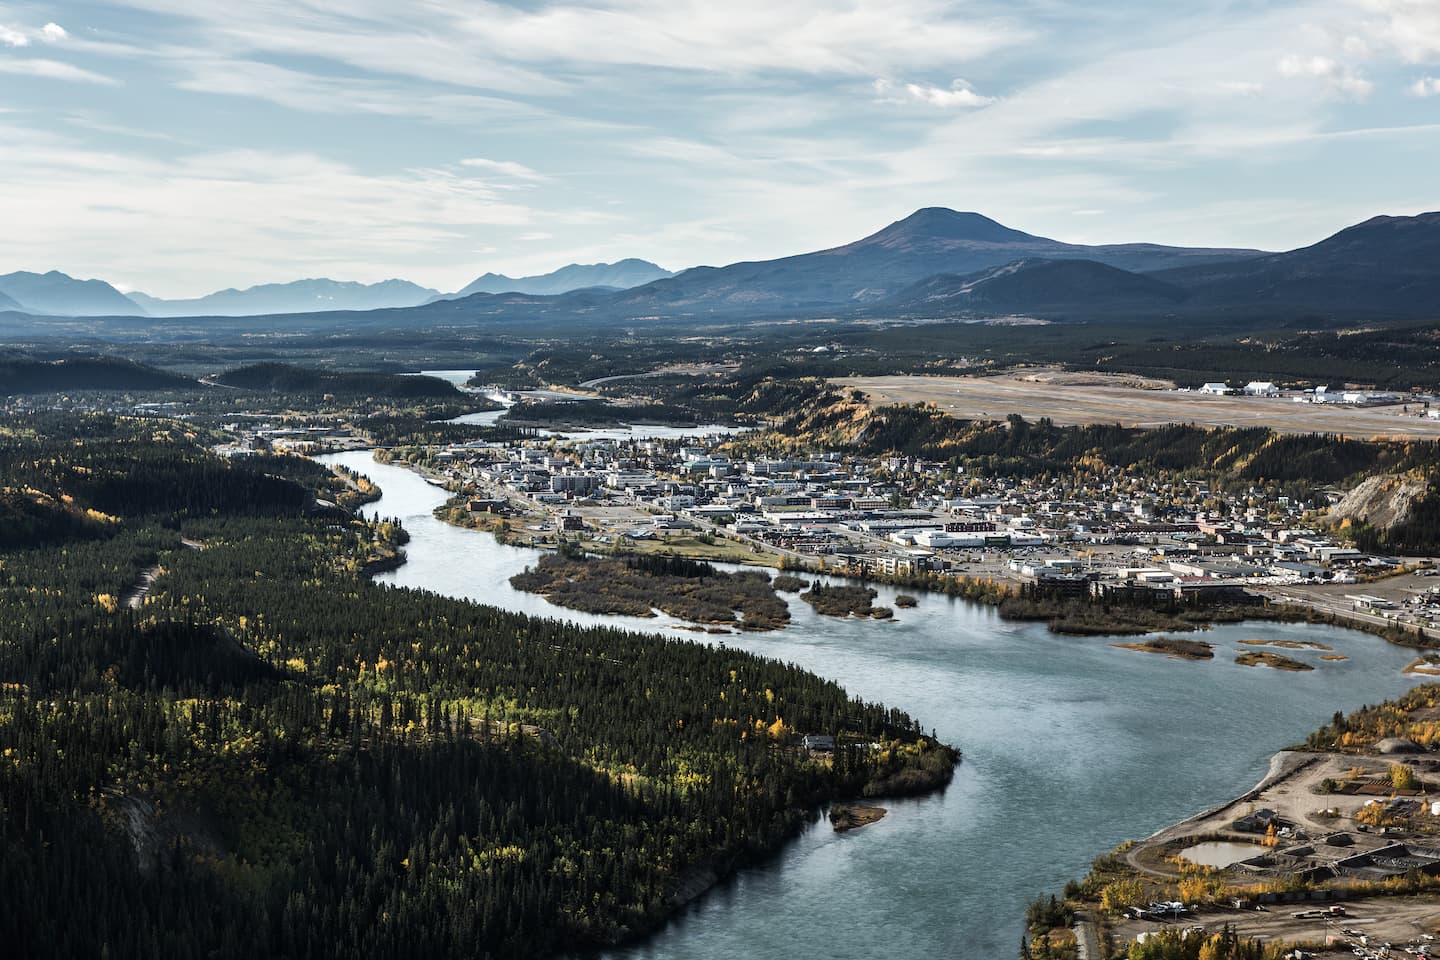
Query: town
1115,536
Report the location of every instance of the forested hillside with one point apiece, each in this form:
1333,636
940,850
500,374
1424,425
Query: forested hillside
284,378
23,374
218,739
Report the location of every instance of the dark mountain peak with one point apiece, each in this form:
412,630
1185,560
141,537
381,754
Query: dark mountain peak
1382,227
932,224
1385,263
1038,284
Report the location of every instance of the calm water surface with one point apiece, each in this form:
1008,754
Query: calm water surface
1071,745
637,432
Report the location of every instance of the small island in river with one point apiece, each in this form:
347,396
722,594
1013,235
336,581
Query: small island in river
845,816
1258,658
841,600
1174,647
639,585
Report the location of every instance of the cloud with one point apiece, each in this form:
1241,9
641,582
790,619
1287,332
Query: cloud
496,45
1410,27
1338,78
238,217
1426,87
52,70
504,168
958,94
536,236
53,33
12,37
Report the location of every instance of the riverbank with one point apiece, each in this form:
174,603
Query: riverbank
1066,616
726,694
1344,818
1001,689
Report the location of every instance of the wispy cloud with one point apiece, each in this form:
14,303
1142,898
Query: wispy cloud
504,168
12,37
53,33
52,70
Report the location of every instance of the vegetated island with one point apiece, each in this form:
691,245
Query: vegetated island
638,585
849,816
841,600
1265,658
1174,647
788,583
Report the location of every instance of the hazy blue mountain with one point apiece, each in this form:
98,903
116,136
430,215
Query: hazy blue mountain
56,294
1385,263
620,275
931,241
8,303
299,296
1036,286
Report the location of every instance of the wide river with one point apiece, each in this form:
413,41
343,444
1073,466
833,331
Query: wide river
1071,745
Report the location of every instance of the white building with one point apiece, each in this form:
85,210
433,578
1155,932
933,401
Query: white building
1261,388
1215,389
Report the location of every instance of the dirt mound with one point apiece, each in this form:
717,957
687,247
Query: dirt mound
1384,502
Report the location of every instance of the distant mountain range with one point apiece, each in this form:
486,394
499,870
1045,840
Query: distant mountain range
299,296
934,264
56,294
938,264
620,275
928,242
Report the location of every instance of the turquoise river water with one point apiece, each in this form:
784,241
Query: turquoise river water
1071,746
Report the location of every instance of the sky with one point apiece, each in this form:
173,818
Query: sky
181,146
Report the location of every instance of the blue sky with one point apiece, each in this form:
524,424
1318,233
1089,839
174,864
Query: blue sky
180,146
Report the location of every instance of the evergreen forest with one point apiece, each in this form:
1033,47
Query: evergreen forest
219,739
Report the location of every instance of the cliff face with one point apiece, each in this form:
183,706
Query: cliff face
1384,502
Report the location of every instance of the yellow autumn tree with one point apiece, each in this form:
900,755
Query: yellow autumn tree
1402,777
1121,894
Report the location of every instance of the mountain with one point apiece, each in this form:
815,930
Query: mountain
1385,263
56,294
930,241
299,296
1036,286
8,303
620,275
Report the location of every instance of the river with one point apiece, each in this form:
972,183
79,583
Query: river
1071,745
622,432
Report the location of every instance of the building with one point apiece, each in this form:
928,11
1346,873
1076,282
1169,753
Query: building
1261,388
1215,389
